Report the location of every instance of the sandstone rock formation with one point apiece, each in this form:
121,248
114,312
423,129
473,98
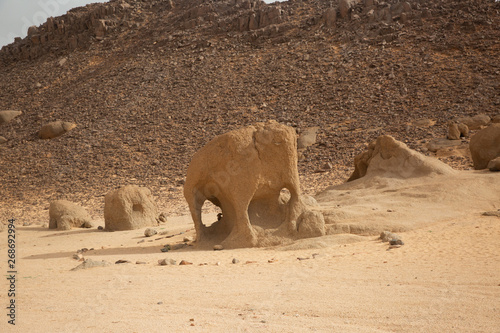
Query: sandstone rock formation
128,208
243,173
391,158
485,146
65,215
8,115
55,129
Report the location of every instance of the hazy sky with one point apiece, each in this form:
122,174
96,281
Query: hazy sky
16,16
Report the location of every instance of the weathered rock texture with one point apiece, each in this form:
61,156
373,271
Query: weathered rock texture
128,208
243,172
485,146
8,115
55,129
64,215
391,158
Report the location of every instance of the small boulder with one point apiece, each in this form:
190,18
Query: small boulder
307,137
150,232
8,115
128,208
166,262
494,164
311,224
387,236
65,215
453,131
485,146
55,129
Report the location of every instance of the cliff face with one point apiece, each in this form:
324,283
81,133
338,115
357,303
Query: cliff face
150,82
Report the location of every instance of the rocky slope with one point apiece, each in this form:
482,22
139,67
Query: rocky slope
150,82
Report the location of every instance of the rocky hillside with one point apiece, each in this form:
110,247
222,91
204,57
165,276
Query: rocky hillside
149,82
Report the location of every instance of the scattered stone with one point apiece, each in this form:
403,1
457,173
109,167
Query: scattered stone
140,263
311,224
476,122
150,232
166,248
55,129
187,239
485,146
424,123
218,247
89,263
162,218
272,260
8,115
453,131
442,143
178,246
128,208
77,256
235,261
122,261
387,236
492,213
100,227
64,215
494,164
395,241
87,224
62,61
307,137
165,262
184,262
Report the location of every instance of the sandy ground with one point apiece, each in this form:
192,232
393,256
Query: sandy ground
446,278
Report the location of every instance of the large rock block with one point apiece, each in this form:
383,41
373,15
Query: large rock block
243,173
476,122
388,157
128,208
485,146
64,215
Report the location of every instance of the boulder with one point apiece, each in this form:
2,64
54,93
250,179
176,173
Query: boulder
128,208
8,115
64,215
494,164
55,129
476,122
388,157
485,146
243,173
311,224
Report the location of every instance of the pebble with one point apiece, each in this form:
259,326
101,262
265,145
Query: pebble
140,263
184,262
77,256
100,227
235,261
165,262
122,261
218,248
187,239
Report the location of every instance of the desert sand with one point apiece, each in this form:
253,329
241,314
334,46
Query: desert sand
445,278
